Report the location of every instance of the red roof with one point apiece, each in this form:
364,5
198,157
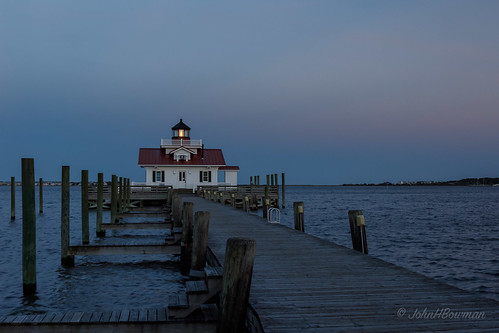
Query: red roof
229,167
157,156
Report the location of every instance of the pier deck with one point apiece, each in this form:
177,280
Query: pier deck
305,284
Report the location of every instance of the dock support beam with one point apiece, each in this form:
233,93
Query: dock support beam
199,243
298,209
85,237
100,201
238,270
66,259
29,226
12,198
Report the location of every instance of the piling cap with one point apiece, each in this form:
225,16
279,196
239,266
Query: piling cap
360,220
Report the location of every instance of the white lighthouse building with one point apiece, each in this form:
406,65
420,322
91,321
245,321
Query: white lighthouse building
185,163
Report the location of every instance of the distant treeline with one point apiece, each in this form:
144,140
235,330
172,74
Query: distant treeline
487,181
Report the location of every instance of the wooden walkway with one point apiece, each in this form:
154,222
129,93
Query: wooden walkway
304,284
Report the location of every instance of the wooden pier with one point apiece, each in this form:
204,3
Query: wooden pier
302,283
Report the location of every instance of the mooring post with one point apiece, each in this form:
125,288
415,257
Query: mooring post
29,226
251,180
199,243
66,259
186,248
233,196
355,230
282,184
177,210
272,179
234,297
268,180
85,233
114,199
12,198
265,206
299,218
277,189
246,204
100,202
120,195
128,194
361,223
40,195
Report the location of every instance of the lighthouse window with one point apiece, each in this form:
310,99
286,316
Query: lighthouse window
181,132
205,176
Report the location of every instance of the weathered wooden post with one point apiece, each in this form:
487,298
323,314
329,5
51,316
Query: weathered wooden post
12,198
234,297
355,230
128,194
100,202
233,200
199,243
177,210
265,206
268,180
40,196
246,204
283,191
186,249
272,179
299,218
29,226
361,223
114,199
251,180
277,188
66,258
120,195
258,180
85,233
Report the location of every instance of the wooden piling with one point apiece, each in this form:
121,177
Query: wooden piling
233,200
114,199
277,187
12,198
129,194
355,230
186,249
85,233
361,223
251,180
268,180
29,226
66,258
246,204
100,202
272,179
234,297
199,242
177,210
265,206
40,196
120,195
299,216
283,191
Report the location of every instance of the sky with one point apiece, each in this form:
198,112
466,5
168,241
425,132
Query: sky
328,92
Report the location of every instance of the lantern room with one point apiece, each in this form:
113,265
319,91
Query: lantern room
180,131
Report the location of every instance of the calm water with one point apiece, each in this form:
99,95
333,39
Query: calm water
96,282
447,233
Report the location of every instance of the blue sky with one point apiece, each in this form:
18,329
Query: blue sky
328,92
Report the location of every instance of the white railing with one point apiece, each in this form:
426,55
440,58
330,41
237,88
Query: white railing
181,142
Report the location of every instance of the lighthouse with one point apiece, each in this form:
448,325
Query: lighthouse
185,163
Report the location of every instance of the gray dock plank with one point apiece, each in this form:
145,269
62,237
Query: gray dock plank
305,284
134,315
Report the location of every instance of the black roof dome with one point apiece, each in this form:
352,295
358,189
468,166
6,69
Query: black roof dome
181,125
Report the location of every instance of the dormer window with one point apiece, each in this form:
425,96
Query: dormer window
182,157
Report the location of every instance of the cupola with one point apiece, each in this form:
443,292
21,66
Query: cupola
180,131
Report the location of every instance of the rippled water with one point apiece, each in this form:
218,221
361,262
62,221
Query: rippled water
96,282
447,233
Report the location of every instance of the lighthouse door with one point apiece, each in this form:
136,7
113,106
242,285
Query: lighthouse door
181,178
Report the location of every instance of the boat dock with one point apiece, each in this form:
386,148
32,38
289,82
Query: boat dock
302,283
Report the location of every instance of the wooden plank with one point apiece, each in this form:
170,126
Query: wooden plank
137,226
39,318
142,315
106,316
115,317
125,314
134,249
134,315
152,315
9,319
162,314
57,318
96,316
77,317
48,317
19,319
86,317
